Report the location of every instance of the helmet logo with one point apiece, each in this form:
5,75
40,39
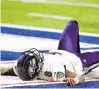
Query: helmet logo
32,67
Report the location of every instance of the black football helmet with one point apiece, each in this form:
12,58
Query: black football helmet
30,64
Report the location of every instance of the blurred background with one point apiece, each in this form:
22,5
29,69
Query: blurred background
52,13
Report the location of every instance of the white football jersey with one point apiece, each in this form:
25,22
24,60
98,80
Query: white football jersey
54,64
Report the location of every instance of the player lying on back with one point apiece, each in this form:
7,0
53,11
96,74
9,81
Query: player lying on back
66,64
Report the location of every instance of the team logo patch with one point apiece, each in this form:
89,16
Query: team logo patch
85,69
60,75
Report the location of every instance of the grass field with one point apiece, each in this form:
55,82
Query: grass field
17,12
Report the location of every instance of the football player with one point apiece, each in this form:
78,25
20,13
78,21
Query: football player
66,64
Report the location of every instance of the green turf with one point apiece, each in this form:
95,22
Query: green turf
17,13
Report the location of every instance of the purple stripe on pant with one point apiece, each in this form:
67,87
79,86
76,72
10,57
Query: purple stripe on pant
69,41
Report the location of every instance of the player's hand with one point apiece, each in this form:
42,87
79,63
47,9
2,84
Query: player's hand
70,81
3,70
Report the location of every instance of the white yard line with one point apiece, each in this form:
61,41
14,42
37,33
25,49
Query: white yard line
67,3
43,29
50,16
10,42
63,3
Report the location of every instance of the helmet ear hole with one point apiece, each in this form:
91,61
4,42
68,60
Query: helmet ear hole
25,68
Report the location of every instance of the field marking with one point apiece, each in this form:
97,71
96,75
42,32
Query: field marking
7,62
68,3
44,29
26,83
37,83
50,16
63,3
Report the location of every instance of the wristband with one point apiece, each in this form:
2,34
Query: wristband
76,80
79,79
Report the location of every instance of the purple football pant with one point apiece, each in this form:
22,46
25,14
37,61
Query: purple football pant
69,41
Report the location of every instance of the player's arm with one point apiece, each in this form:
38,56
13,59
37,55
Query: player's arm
70,74
7,71
73,78
67,76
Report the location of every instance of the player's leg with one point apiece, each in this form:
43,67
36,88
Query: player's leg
69,40
90,58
